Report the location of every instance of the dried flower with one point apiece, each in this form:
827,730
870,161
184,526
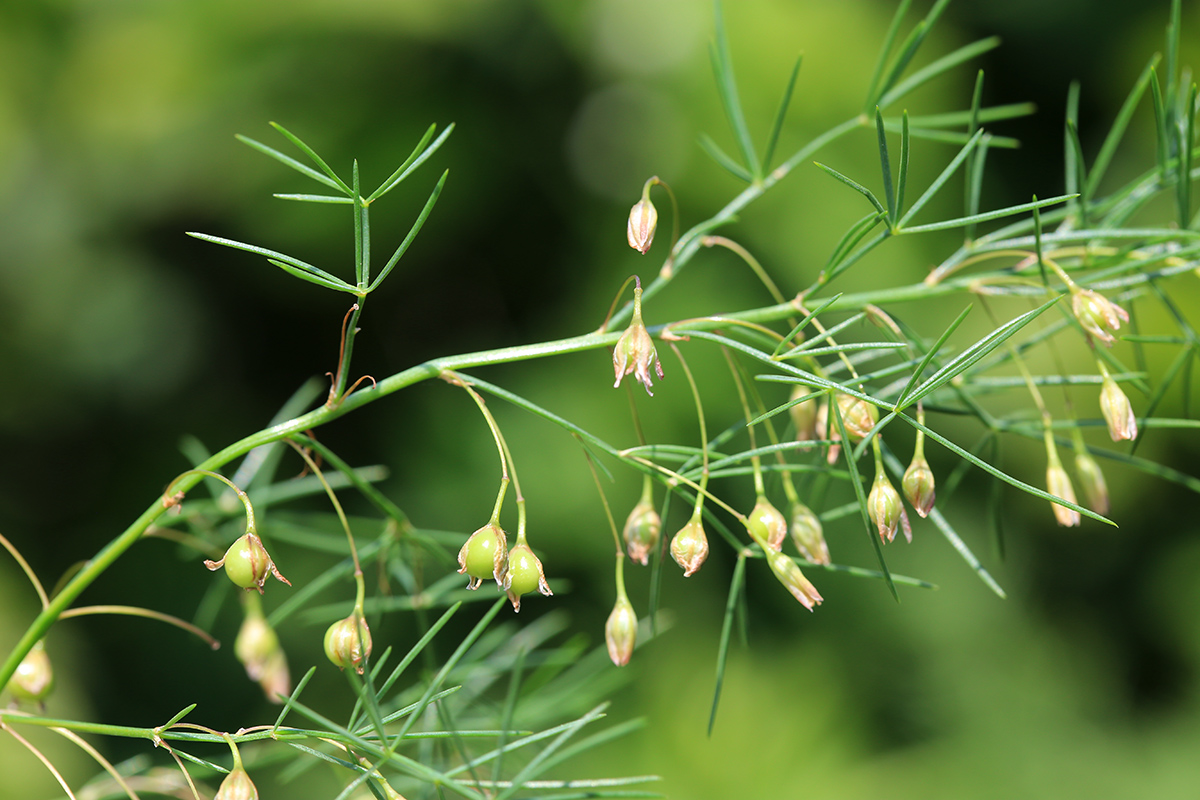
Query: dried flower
643,220
620,632
247,563
689,546
483,555
1118,412
348,642
886,510
767,525
524,574
1092,480
634,351
1097,314
793,580
642,529
808,535
918,485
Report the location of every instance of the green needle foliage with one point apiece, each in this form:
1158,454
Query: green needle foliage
850,383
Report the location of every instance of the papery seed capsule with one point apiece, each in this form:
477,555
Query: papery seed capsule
348,642
642,530
767,525
689,546
620,631
808,535
484,555
34,678
524,575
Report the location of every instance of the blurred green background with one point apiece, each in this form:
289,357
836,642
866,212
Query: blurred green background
119,335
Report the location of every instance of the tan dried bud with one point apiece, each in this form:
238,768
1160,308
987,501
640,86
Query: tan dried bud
804,415
642,530
767,525
1058,483
1092,481
643,220
858,416
247,563
1097,314
886,510
620,632
918,485
524,574
1117,410
793,580
348,642
808,535
34,678
484,555
689,546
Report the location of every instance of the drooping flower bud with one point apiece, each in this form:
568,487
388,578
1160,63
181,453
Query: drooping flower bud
484,555
237,784
643,221
247,563
886,510
524,575
858,416
257,647
634,351
348,642
1097,314
919,486
1058,483
808,535
620,632
1118,412
804,415
34,678
689,546
642,530
1092,480
793,580
767,525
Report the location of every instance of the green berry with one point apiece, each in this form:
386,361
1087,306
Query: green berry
348,642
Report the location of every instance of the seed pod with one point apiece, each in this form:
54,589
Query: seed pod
689,546
642,530
808,535
918,485
247,563
886,510
793,580
767,525
348,642
34,678
620,632
524,575
483,555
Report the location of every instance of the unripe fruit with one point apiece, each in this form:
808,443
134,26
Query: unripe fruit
767,525
689,546
34,679
919,486
641,532
793,580
348,642
808,534
886,510
483,556
247,563
620,632
237,786
524,574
